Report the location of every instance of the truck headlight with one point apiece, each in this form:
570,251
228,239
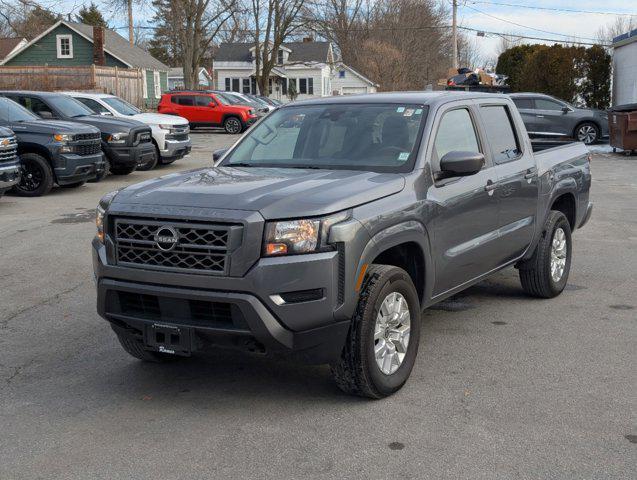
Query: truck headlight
62,137
100,212
165,127
293,237
118,137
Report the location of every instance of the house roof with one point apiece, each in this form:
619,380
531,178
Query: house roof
174,72
8,44
300,52
359,75
114,44
626,38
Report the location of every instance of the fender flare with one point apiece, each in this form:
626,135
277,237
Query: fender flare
410,231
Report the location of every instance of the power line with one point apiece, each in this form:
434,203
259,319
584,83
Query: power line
527,27
500,34
553,9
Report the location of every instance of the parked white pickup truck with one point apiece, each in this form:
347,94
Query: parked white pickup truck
171,133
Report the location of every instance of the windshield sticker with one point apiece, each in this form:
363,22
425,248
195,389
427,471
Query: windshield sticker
418,111
403,156
409,112
400,109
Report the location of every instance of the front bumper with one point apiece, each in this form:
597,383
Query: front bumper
176,148
127,155
9,175
72,168
254,319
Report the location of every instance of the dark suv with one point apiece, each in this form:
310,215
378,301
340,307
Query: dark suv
51,151
125,143
546,116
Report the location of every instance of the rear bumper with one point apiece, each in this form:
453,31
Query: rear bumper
9,175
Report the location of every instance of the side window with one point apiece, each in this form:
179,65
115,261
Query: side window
203,100
546,104
455,132
501,133
36,105
93,105
526,103
184,100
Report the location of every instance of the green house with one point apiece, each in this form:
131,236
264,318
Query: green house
70,44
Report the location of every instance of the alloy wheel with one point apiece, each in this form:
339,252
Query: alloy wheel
559,249
391,333
233,125
32,177
587,134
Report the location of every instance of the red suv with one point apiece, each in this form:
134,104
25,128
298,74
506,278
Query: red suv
205,109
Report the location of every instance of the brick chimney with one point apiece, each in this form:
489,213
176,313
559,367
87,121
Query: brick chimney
98,46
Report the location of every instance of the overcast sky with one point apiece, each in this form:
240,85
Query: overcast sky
487,15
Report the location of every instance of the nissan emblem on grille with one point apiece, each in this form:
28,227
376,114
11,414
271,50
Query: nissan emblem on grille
166,238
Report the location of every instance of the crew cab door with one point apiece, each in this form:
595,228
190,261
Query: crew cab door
465,224
517,180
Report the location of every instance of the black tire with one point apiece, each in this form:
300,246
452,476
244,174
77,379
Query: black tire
232,125
150,164
134,347
357,372
535,274
587,132
74,185
37,176
102,175
165,161
123,170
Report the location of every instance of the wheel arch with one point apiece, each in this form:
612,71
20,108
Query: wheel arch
566,203
592,120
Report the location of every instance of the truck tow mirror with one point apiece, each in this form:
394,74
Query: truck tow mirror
217,154
459,163
45,114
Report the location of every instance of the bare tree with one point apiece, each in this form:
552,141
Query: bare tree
617,27
274,22
25,18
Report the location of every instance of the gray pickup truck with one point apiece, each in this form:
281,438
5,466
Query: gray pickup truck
9,161
325,231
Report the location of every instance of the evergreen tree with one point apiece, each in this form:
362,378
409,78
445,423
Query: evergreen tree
91,16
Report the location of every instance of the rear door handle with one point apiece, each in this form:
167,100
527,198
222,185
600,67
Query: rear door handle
530,173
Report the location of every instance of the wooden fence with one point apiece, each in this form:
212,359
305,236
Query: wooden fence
123,82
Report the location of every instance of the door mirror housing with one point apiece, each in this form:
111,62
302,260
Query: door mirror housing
212,104
565,109
461,164
217,154
45,114
106,114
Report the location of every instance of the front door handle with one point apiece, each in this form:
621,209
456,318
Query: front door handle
490,187
530,173
540,116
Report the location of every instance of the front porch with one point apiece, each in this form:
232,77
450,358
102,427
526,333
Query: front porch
277,84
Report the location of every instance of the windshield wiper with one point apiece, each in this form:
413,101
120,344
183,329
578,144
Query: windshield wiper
238,164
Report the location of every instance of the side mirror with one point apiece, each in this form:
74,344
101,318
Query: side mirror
45,114
217,154
106,114
460,164
565,109
212,104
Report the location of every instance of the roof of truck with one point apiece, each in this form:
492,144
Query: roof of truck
421,98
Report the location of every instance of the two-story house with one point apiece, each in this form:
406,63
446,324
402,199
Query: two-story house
309,64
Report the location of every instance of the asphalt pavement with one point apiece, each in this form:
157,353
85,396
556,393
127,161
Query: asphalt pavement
504,387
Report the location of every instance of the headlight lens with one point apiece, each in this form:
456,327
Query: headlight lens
165,127
118,137
62,137
293,237
100,212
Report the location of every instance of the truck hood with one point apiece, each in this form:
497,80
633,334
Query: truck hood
159,119
51,126
274,192
109,124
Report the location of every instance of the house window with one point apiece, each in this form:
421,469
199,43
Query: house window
157,84
279,57
64,46
246,85
227,84
306,86
235,84
341,74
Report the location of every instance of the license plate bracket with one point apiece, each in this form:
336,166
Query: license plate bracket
169,339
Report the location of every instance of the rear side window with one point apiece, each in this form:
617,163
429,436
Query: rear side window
545,104
526,103
183,100
455,133
501,134
93,105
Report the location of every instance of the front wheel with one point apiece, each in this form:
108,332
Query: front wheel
37,176
545,274
382,343
232,125
587,132
123,169
150,163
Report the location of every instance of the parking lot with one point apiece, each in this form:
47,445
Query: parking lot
505,386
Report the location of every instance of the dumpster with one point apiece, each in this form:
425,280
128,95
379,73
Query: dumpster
622,123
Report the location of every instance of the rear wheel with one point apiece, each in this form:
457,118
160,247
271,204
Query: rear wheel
37,176
587,132
381,346
546,273
232,125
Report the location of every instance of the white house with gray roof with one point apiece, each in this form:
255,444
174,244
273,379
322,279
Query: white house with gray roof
309,64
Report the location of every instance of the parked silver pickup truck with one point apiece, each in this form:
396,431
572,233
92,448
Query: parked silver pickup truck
326,230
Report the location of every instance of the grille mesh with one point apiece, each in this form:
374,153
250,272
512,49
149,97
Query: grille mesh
9,152
199,247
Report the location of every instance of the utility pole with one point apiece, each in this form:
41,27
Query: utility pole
454,29
131,38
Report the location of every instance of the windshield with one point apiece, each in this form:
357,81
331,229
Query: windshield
10,111
226,99
69,107
375,137
121,106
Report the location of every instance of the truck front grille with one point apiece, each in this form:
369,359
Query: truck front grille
86,136
87,149
8,149
174,246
